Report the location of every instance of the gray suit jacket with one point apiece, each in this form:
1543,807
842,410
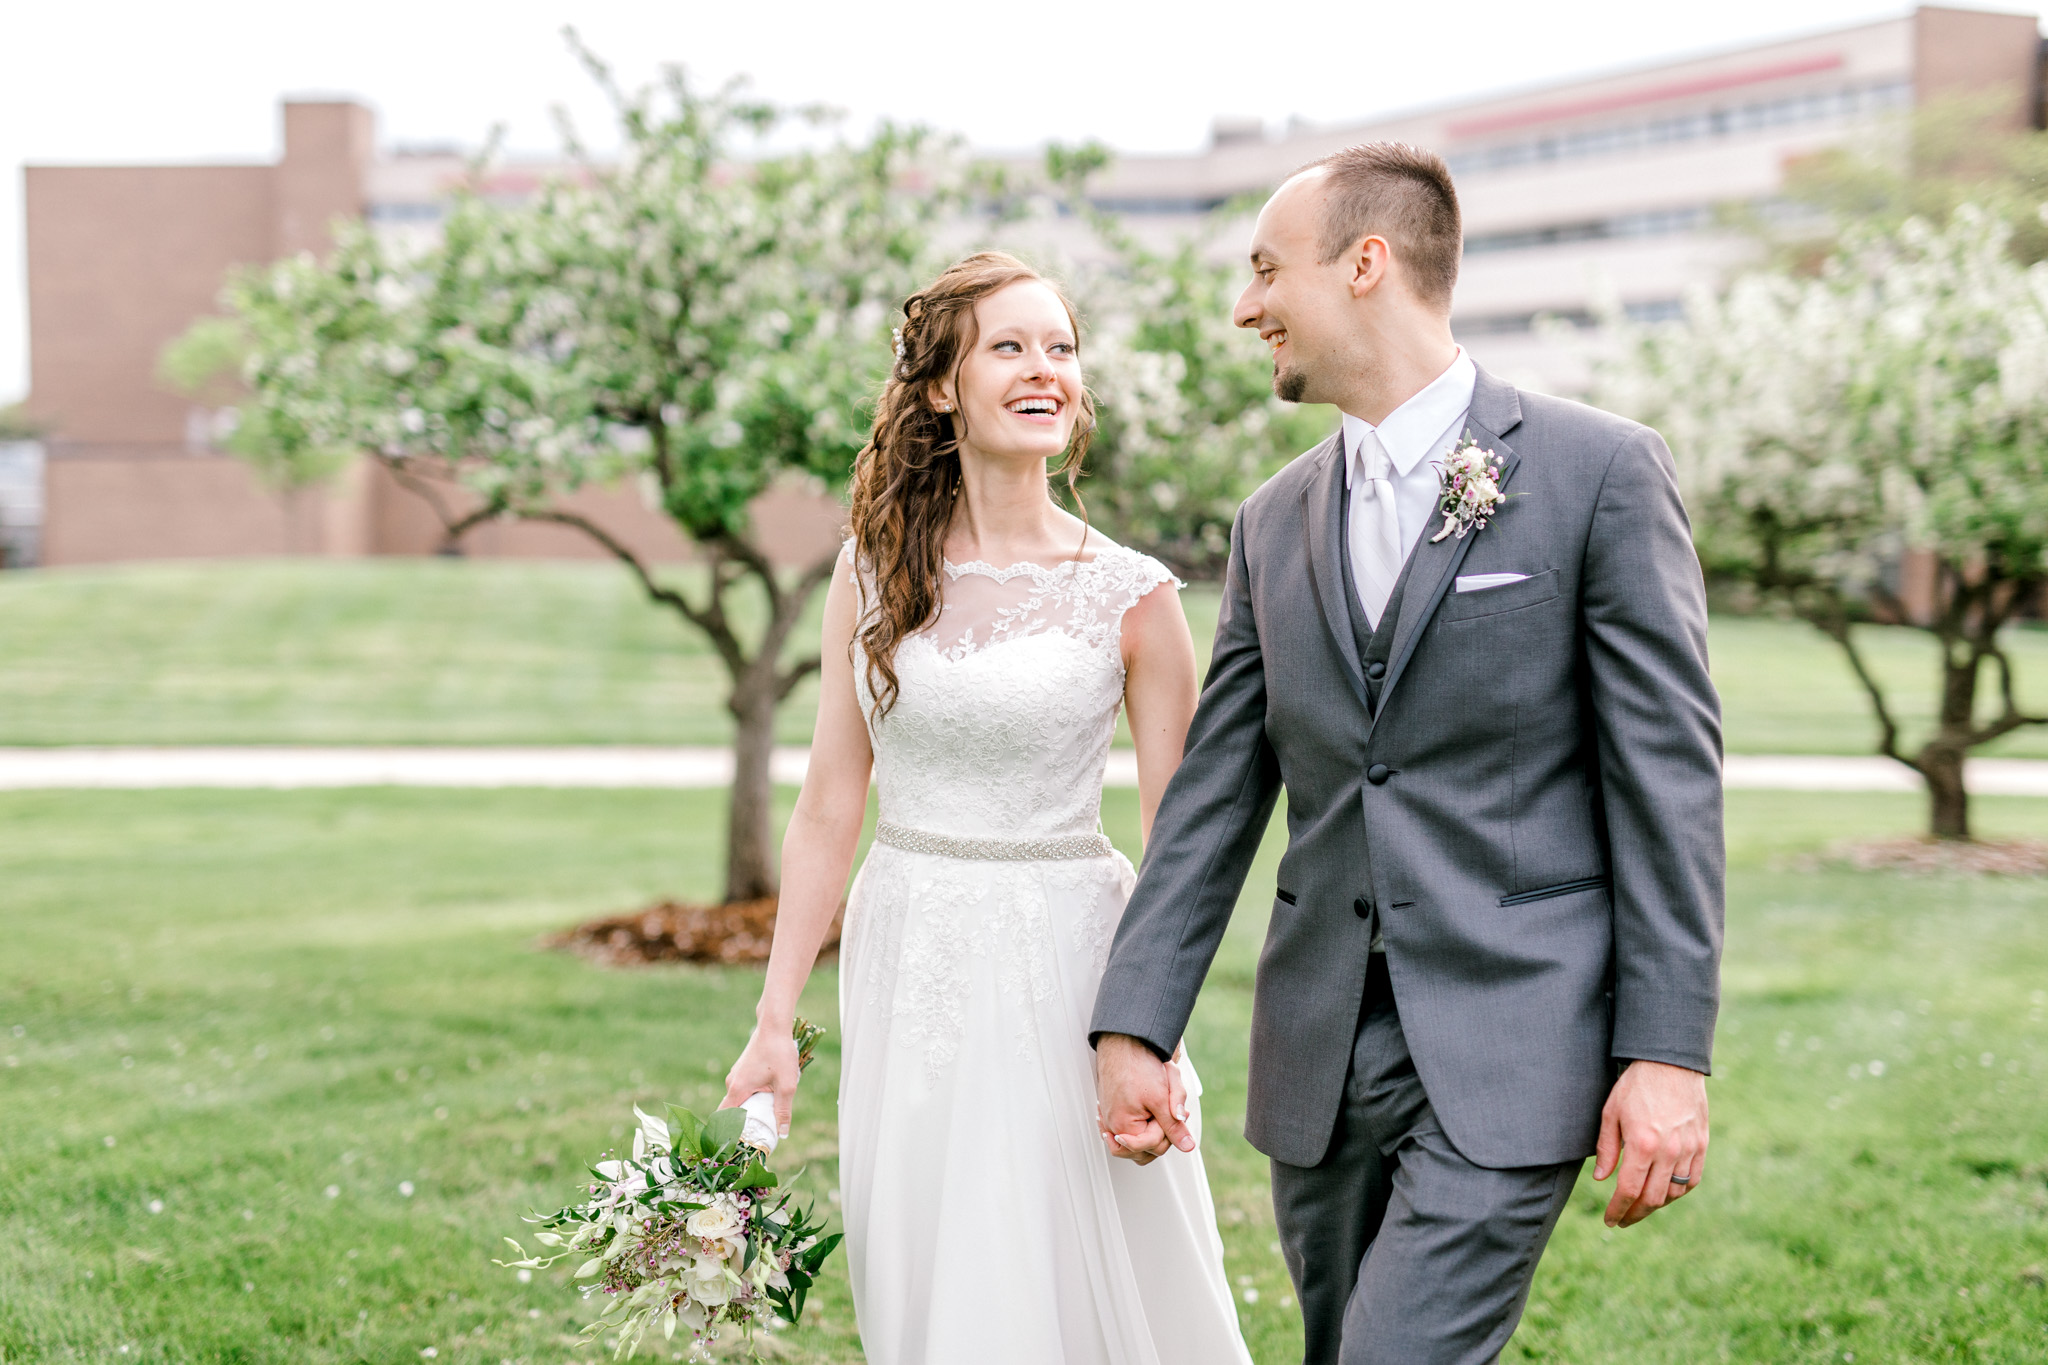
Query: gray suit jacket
1542,846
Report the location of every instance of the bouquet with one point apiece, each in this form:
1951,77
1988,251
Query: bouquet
688,1232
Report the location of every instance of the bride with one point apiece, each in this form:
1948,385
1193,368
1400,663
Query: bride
978,642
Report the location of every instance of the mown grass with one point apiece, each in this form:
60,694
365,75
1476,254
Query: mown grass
497,652
217,1007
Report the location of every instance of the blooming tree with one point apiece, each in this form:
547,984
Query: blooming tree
1189,425
1825,425
687,321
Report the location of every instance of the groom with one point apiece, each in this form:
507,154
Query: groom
1494,944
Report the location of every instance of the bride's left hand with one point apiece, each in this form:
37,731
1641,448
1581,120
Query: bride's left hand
1147,1141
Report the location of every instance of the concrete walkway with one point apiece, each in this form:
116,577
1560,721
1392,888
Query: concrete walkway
593,766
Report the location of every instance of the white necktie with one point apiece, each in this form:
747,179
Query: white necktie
1375,529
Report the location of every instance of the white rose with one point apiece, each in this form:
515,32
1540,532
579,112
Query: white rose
708,1284
720,1221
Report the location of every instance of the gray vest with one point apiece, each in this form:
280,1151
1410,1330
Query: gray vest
1375,647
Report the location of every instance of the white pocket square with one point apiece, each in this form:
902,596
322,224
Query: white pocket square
1480,582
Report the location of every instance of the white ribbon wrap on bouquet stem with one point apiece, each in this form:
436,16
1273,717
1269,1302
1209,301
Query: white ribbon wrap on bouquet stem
760,1129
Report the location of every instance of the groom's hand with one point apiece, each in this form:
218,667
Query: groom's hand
1142,1111
1655,1127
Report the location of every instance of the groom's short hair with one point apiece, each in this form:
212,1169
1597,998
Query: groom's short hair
1404,194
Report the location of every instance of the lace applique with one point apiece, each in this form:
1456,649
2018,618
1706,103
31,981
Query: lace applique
1096,929
931,997
921,926
1083,599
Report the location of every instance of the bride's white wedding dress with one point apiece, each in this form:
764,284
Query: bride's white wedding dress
985,1222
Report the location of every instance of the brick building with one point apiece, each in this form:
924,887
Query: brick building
1611,183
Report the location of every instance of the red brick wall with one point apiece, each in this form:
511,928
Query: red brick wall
1968,52
120,261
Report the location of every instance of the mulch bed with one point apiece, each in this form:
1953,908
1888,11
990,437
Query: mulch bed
1924,857
668,931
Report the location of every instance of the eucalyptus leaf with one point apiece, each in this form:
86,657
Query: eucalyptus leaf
723,1129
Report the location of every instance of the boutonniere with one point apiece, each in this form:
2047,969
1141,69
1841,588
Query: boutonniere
1470,479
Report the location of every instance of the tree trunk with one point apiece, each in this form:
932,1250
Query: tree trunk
750,832
1941,761
1948,802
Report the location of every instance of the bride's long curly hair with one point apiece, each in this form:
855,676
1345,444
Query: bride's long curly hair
906,479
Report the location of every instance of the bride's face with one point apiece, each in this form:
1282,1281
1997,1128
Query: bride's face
1019,386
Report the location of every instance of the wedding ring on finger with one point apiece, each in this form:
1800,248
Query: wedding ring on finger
1682,1179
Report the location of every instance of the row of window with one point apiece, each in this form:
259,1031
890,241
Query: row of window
407,212
1654,223
1853,101
1510,324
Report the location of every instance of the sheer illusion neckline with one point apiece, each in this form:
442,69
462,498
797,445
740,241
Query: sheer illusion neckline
982,605
1023,566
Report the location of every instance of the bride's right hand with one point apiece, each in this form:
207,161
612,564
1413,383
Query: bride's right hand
769,1063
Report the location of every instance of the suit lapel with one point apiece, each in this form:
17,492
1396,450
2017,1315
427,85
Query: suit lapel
1496,411
1322,509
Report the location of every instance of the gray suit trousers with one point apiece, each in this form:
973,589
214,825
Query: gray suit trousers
1402,1251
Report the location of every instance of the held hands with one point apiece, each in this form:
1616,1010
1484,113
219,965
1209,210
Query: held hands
1141,1102
1654,1127
769,1063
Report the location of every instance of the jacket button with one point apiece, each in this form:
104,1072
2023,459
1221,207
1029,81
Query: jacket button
1376,670
1362,908
1378,774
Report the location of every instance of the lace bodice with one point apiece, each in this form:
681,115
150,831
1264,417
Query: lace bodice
1007,703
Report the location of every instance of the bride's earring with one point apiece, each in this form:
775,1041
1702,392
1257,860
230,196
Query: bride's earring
943,407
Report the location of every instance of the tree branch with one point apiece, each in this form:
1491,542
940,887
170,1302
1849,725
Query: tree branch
711,621
453,527
2012,718
789,610
1834,623
749,557
1892,603
794,675
664,458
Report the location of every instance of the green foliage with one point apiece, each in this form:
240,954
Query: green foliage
727,318
1947,153
1189,425
207,360
1827,425
16,425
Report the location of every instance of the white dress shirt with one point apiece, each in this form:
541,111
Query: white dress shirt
1416,436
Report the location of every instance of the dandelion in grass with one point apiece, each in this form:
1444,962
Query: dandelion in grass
689,1232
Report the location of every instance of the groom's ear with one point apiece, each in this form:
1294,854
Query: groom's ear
1371,260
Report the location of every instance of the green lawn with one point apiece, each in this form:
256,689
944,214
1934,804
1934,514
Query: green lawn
374,651
237,1028
495,652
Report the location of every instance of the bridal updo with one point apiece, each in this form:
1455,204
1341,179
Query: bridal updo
906,479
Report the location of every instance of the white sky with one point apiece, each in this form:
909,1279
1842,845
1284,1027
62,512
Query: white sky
121,81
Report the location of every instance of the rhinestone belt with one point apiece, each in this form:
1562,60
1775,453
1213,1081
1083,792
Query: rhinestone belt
994,850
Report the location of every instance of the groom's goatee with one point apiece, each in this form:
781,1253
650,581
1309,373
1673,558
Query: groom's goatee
1289,385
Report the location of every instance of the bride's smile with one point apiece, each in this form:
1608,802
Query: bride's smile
1018,388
